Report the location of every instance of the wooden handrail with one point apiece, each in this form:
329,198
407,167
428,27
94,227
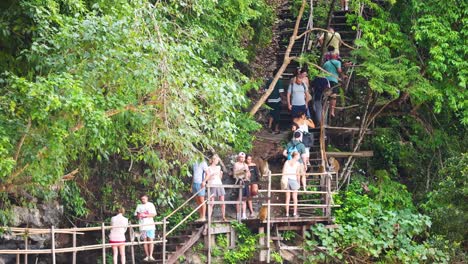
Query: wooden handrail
183,204
307,174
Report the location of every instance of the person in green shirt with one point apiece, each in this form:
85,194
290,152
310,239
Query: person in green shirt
274,102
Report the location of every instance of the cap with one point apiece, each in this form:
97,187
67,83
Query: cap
241,154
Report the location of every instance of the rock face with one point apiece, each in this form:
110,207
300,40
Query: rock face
43,216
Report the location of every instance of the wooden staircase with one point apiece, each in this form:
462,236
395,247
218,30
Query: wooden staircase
178,244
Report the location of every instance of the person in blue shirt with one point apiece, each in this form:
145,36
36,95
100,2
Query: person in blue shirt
333,66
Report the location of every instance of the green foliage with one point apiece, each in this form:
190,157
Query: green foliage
417,47
104,81
276,257
375,227
246,245
412,151
446,204
288,235
72,200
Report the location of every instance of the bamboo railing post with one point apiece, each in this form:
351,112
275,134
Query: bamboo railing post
328,195
103,233
239,212
74,246
52,234
164,241
268,218
18,257
209,223
132,241
26,248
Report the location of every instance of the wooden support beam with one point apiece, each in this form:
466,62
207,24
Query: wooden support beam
358,154
342,130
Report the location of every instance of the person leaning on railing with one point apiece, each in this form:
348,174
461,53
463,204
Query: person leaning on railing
242,175
214,176
290,181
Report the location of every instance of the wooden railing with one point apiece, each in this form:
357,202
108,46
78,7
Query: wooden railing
327,206
26,232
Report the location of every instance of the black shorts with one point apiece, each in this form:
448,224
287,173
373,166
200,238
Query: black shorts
246,190
275,110
335,87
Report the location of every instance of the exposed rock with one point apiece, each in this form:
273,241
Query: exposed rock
43,216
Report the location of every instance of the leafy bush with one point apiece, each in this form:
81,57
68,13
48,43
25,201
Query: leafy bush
375,225
446,204
246,245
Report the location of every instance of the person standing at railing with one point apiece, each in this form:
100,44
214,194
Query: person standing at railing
242,175
254,175
119,225
291,172
198,183
296,144
214,177
145,213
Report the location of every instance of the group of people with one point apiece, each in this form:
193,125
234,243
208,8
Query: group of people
245,173
298,96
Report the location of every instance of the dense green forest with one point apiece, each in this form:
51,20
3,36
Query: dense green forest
101,99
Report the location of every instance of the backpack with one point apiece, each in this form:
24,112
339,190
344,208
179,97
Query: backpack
291,150
308,139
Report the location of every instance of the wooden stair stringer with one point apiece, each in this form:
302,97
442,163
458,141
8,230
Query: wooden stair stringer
174,257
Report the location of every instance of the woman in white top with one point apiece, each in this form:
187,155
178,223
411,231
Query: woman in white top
291,169
304,124
119,225
214,176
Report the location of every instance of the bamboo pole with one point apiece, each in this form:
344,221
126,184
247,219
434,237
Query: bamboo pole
268,218
74,246
103,237
164,241
209,224
26,248
239,206
132,241
52,234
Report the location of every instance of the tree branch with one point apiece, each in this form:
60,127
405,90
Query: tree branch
285,64
21,142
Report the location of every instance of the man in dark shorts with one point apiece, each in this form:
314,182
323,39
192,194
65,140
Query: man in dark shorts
198,187
320,85
274,102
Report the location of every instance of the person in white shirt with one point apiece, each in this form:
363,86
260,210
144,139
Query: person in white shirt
119,225
198,186
145,213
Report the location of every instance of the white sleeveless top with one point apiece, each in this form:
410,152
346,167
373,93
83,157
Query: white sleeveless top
216,175
291,170
304,128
